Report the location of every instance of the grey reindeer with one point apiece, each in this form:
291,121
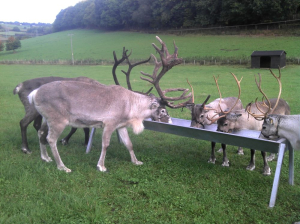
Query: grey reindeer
98,106
23,89
230,121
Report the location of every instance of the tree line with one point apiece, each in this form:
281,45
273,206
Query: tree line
170,14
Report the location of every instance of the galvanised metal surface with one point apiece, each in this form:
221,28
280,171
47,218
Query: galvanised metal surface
244,138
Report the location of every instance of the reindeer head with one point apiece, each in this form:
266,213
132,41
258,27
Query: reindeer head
228,122
199,113
167,62
227,119
270,126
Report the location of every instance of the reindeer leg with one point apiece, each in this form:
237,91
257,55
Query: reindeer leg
42,133
38,122
127,142
212,158
271,157
28,118
220,150
240,151
251,165
106,135
267,170
225,159
86,136
54,132
65,140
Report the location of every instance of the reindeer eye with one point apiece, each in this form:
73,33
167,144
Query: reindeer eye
201,116
225,124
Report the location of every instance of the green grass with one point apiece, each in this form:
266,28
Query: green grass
98,45
175,184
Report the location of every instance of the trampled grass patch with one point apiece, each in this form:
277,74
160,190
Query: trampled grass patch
174,185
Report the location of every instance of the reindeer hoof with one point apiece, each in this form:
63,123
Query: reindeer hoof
66,169
138,163
226,163
213,161
63,142
26,151
271,157
250,167
102,168
267,171
47,159
240,152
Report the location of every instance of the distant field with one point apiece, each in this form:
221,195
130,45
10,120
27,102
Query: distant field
97,45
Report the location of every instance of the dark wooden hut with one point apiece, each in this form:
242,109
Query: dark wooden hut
268,59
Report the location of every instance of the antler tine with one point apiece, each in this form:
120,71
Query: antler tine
256,116
214,120
216,81
167,62
270,110
193,97
126,56
264,96
117,62
130,67
248,107
228,111
280,87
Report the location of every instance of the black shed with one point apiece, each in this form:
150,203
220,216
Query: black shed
268,59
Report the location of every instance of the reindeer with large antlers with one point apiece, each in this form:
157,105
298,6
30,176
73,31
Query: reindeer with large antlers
161,114
110,107
230,121
223,107
200,113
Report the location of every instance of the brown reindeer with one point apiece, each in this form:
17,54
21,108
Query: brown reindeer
23,89
110,107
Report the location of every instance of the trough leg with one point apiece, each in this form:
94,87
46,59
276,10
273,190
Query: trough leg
90,142
277,176
291,164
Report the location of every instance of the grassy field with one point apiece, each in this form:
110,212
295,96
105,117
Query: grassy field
97,45
175,184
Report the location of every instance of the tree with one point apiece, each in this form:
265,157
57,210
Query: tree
1,46
12,44
16,29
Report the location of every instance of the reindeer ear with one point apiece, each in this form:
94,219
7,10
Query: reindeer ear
154,105
271,121
190,106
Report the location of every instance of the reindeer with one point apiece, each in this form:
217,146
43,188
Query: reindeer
110,107
161,114
200,112
283,126
230,121
23,89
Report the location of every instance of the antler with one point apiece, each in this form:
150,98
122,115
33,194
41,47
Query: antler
167,62
269,110
130,67
226,112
